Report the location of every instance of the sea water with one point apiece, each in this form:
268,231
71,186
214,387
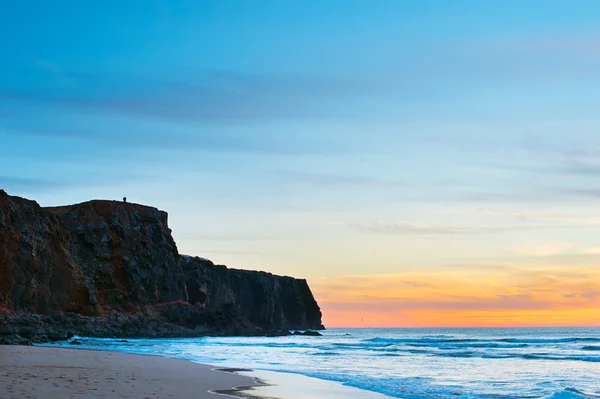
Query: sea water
492,363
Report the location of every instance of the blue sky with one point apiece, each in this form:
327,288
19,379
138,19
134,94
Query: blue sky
313,138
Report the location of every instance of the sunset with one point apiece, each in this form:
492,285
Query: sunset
462,296
317,199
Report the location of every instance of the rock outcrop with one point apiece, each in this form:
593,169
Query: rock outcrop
102,265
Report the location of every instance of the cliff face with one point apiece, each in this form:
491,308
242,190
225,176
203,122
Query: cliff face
105,257
268,301
125,252
37,270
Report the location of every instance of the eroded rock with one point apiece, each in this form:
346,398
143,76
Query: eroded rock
112,269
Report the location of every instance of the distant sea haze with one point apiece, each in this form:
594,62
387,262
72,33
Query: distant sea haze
474,363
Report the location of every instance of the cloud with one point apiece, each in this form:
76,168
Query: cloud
591,250
517,317
574,46
403,228
545,249
224,252
549,57
542,164
16,183
500,302
564,294
229,97
587,294
480,267
229,237
407,228
61,77
203,110
533,194
333,180
211,97
156,138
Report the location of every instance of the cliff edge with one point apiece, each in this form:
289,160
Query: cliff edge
111,268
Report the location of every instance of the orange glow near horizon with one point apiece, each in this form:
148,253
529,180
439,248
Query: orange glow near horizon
500,296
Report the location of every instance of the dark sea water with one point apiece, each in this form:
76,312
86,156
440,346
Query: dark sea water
492,363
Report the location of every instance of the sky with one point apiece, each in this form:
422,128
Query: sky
420,163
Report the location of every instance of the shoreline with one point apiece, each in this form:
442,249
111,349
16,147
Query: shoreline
284,385
57,372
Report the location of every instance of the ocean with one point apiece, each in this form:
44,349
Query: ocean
491,363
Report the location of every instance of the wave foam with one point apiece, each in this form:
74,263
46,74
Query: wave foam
571,393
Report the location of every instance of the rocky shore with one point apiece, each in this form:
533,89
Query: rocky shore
177,320
112,269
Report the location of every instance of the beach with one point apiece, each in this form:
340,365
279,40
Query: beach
37,372
59,373
441,363
540,363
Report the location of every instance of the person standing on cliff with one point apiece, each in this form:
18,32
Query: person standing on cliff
124,199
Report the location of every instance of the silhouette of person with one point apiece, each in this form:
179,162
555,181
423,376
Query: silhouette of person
124,199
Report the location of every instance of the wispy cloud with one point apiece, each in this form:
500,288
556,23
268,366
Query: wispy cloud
405,228
158,138
17,184
229,237
337,180
27,184
545,249
213,97
591,250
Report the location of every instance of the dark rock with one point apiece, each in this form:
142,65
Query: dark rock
26,332
112,269
53,337
277,333
16,339
5,329
266,300
312,333
58,317
75,342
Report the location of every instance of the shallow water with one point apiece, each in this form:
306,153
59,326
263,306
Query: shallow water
556,363
296,386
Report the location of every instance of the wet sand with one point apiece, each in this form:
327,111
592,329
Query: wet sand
295,386
53,373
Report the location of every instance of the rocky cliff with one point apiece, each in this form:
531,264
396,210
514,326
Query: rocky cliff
96,262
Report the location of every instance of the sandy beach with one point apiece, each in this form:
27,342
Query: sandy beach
38,372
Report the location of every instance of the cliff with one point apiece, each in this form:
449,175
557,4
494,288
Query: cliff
104,259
